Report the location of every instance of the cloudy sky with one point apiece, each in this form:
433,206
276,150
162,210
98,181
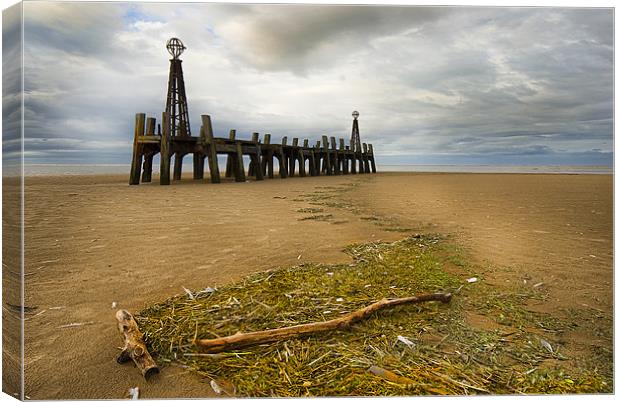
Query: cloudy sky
433,85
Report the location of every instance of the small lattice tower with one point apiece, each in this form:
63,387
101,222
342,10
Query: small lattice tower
176,101
356,144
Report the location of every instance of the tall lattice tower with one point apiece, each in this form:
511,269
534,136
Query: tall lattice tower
176,102
356,144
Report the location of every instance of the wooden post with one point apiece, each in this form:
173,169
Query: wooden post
282,169
353,160
291,162
335,164
199,166
251,168
343,158
284,159
299,155
255,160
365,158
268,161
312,164
327,165
164,150
239,169
214,169
372,159
147,170
231,159
178,165
136,160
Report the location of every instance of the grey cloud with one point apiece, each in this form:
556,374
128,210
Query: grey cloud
488,82
11,87
80,28
296,38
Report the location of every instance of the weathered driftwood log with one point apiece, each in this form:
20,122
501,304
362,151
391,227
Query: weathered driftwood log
253,338
134,349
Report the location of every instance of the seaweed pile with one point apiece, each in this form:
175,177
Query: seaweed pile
421,349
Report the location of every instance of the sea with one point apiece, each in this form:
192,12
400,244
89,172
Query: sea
94,169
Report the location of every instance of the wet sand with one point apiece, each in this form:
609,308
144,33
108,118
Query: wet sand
94,240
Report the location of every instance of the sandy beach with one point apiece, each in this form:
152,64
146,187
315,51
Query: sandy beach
92,241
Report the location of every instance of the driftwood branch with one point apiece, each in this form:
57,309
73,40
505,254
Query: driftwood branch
135,348
252,338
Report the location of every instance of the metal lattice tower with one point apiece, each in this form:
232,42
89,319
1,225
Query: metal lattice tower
356,144
176,102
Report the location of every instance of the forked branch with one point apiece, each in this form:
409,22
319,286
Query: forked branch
240,340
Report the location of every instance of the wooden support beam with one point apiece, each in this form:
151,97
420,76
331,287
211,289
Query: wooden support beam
150,126
299,155
365,158
147,167
214,169
291,163
253,165
353,158
231,159
327,164
335,164
372,159
199,166
178,165
282,168
239,169
284,159
267,162
164,150
136,160
257,158
342,159
310,158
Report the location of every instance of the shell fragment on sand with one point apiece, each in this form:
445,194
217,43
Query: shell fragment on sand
134,393
76,324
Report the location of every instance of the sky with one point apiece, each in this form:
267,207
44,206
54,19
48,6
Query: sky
433,85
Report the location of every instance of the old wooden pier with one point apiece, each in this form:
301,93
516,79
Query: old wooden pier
326,157
173,138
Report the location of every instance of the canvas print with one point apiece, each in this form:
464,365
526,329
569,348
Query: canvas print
205,200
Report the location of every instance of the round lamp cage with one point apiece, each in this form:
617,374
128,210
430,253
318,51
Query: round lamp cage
355,114
175,47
